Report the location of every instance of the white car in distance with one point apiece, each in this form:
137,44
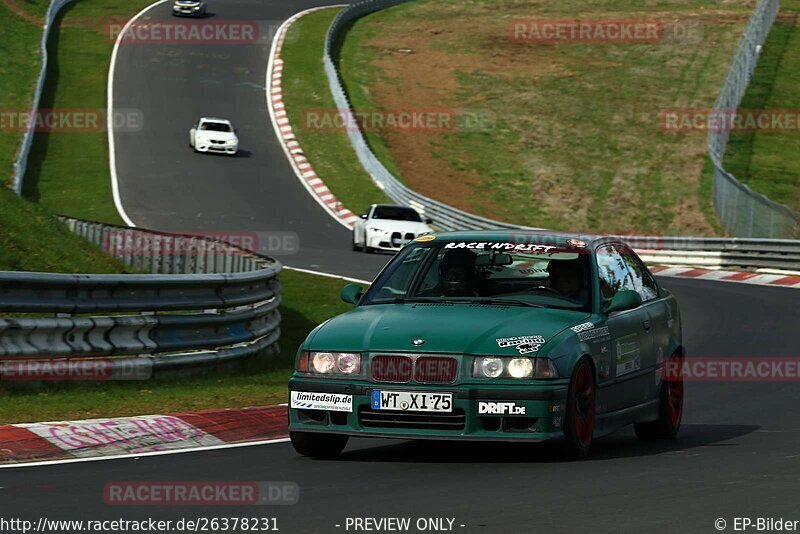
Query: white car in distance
388,227
214,135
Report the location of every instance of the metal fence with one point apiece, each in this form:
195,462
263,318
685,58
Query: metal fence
741,211
141,323
21,163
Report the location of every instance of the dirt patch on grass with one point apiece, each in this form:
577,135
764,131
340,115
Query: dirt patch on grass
576,142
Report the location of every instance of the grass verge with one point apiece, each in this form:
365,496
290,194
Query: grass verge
64,166
309,103
767,160
21,34
258,381
30,238
576,140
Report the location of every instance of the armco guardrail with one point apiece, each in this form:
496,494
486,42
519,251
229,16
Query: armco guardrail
166,253
21,163
143,323
763,218
743,212
717,252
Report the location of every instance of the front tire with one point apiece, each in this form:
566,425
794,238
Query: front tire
581,407
317,445
670,406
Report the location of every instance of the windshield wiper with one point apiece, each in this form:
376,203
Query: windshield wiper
513,302
403,300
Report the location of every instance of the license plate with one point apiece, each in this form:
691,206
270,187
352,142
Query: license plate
406,401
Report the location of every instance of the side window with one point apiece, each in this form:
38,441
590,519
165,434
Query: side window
613,272
643,281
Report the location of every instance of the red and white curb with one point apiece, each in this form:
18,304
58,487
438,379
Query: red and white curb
775,280
280,120
27,443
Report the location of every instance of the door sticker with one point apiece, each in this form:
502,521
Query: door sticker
628,354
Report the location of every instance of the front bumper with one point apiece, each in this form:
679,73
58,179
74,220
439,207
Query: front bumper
543,418
218,149
187,12
388,241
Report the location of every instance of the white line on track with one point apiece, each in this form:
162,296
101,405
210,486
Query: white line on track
112,157
327,275
144,454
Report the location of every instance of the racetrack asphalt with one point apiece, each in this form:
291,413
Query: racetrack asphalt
737,454
165,186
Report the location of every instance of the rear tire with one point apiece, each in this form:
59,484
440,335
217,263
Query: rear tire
319,445
581,407
670,406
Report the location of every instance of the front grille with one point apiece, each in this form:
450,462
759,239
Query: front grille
423,369
431,421
392,368
435,370
410,236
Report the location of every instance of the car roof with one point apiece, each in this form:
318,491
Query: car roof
524,236
392,206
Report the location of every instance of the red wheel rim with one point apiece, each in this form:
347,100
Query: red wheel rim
583,404
675,394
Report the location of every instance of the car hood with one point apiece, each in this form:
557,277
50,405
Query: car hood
399,226
217,136
448,328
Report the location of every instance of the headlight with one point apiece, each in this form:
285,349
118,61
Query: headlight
492,367
329,363
232,142
323,362
378,230
519,368
348,364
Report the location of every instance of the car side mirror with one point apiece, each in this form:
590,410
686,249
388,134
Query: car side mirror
352,293
363,216
627,299
428,221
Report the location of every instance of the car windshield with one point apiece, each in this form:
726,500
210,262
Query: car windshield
489,272
215,127
396,213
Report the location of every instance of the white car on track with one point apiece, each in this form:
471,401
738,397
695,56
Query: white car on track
214,135
189,8
387,227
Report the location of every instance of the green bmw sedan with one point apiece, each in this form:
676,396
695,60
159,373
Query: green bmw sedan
494,335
